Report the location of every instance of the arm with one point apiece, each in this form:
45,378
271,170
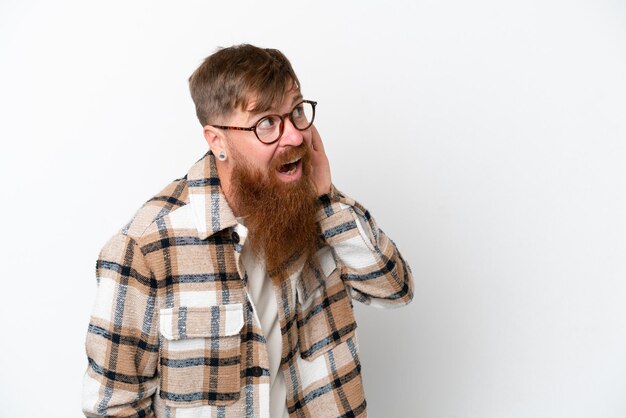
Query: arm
122,340
371,265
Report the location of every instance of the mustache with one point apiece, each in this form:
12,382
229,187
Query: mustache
302,151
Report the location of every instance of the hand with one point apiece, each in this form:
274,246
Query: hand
319,162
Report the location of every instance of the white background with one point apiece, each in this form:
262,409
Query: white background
486,137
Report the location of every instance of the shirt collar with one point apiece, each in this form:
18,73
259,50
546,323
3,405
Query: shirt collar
209,206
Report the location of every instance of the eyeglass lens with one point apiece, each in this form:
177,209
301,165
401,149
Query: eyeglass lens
269,128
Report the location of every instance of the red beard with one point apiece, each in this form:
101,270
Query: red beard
280,217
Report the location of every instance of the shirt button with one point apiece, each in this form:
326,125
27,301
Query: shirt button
235,237
256,371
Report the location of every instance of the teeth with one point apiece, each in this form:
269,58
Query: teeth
293,161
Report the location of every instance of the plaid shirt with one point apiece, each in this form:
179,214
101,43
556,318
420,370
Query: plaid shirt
173,332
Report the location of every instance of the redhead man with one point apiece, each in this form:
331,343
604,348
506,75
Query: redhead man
229,293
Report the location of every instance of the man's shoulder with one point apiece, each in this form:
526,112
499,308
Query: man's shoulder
174,196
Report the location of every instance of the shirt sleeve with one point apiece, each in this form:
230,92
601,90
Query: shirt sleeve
122,342
371,265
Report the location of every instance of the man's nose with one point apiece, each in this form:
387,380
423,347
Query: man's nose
291,135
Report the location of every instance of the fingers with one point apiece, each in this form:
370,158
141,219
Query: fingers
316,139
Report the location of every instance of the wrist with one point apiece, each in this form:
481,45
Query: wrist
324,190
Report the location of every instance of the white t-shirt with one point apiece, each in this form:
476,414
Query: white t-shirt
261,291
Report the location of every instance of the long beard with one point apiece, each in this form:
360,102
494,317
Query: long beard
280,217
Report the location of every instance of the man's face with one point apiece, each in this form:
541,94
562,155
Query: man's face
281,160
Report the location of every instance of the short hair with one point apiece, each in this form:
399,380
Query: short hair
229,78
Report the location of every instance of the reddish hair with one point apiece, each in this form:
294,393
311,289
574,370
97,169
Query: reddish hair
231,77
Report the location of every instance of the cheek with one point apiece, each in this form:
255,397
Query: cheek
257,157
262,159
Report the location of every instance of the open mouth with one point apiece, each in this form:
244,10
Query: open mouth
290,167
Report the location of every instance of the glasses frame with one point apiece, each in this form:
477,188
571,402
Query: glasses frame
282,122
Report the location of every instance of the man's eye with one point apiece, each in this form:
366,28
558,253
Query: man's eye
267,123
298,112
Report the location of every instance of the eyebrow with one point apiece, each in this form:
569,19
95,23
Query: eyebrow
255,116
296,98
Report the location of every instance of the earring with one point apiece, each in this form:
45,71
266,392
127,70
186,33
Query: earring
221,156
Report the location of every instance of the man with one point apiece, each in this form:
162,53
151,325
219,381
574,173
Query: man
229,293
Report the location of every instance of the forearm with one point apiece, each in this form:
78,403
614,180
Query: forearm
371,264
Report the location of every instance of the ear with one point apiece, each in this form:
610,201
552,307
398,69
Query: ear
215,139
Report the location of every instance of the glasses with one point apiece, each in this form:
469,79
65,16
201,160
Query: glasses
270,128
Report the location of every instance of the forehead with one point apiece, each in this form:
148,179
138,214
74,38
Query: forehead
289,99
259,104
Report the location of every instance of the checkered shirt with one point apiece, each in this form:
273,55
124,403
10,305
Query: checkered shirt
173,332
